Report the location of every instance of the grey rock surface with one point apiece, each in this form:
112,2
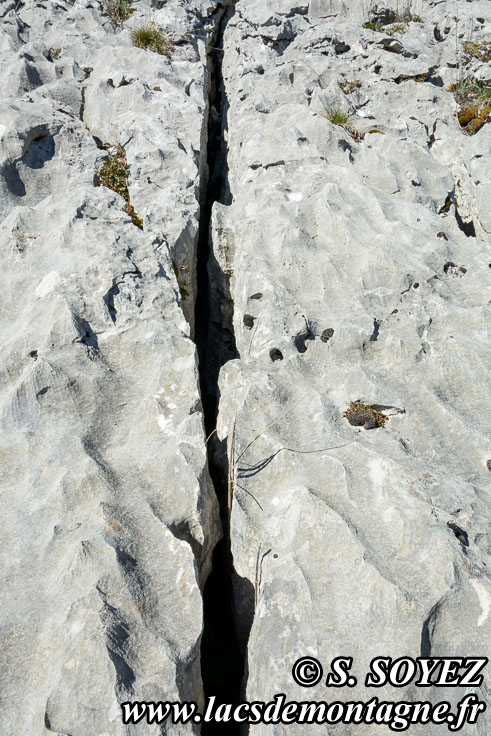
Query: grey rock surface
108,514
340,536
348,263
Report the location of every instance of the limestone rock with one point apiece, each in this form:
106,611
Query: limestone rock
348,265
340,537
109,517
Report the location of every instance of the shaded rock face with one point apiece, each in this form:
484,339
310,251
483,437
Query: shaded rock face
345,263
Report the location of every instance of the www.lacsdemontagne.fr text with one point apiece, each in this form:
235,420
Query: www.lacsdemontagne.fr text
398,716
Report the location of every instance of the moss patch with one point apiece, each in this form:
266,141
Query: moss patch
361,415
472,119
113,174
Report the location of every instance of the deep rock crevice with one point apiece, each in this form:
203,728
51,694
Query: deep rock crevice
222,663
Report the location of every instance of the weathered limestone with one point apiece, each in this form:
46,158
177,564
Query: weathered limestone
340,536
349,263
108,513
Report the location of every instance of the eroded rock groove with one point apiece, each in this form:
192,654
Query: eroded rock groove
222,664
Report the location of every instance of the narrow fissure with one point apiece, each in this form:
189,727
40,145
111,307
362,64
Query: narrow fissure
222,664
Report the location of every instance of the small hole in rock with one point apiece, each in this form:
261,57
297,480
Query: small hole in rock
33,354
327,334
461,535
275,354
249,321
416,285
308,333
395,311
452,269
489,464
256,296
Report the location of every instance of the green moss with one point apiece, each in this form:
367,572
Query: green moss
466,115
152,38
113,174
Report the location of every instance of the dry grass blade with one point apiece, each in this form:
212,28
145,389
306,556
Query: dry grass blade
210,436
263,431
231,479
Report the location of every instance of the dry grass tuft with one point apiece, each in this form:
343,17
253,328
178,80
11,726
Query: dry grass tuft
118,10
152,38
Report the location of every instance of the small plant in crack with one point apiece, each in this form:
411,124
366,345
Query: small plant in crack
181,274
362,415
52,54
113,174
119,10
396,28
378,17
336,116
479,51
473,96
339,117
152,38
347,86
470,89
378,27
